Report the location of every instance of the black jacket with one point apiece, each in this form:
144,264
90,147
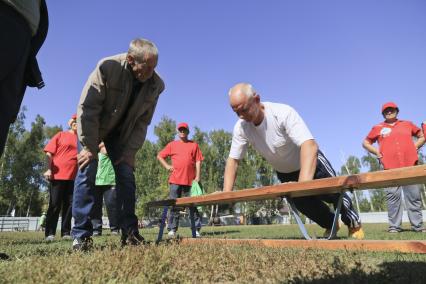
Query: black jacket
32,77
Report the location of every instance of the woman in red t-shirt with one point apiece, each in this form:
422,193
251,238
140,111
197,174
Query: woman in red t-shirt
396,150
61,152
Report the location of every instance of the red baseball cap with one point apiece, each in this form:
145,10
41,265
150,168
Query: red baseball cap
183,125
388,105
74,116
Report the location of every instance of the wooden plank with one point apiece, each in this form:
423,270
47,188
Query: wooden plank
379,179
360,245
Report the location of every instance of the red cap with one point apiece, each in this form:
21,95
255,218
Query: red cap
183,125
388,105
72,120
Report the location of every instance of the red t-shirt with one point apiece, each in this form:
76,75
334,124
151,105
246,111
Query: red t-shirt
63,147
184,155
395,143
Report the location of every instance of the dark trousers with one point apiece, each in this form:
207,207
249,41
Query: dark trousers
177,191
61,192
84,194
15,38
109,194
314,207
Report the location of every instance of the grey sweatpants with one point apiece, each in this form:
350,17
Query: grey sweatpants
413,204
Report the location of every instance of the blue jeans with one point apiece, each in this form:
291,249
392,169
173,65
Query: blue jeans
84,195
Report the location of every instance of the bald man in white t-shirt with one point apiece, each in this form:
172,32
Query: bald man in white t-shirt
281,136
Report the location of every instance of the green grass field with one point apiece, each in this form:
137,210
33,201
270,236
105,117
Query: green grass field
32,260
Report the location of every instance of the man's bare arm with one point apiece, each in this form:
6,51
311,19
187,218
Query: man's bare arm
370,148
48,173
164,163
197,171
420,141
308,160
230,174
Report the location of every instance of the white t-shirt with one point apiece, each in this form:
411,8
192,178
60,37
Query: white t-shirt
278,138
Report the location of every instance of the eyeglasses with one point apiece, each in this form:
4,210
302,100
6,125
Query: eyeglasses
143,65
389,110
182,130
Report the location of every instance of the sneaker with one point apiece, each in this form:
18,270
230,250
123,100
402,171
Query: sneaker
133,239
197,234
66,237
115,232
394,231
50,238
82,244
97,234
171,234
423,230
327,232
356,233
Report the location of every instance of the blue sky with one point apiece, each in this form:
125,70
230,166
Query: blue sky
336,62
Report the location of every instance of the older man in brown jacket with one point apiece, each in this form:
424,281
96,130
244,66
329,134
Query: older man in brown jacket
116,107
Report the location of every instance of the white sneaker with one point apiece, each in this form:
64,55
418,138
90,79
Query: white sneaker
50,238
197,234
171,234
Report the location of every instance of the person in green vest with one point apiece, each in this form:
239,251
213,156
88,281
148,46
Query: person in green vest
105,190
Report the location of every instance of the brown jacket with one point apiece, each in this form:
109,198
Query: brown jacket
103,105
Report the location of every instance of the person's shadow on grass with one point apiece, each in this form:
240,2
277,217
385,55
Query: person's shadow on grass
388,272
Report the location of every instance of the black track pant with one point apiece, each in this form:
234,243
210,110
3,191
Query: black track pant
314,207
61,192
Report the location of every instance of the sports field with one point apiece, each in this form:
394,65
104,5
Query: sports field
32,260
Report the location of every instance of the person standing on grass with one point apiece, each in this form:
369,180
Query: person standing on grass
280,135
185,169
116,106
61,153
397,150
105,189
23,29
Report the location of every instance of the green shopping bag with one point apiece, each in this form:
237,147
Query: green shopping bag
196,190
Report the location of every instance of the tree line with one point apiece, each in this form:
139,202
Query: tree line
24,192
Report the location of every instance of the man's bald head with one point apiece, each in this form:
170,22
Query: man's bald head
245,102
241,93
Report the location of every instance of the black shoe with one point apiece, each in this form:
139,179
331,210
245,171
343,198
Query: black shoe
82,244
132,239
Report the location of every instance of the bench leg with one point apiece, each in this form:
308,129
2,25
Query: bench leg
162,224
336,217
298,220
192,220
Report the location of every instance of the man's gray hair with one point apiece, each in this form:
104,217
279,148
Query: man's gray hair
140,47
244,88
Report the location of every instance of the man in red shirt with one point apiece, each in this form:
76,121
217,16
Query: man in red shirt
61,152
397,150
186,159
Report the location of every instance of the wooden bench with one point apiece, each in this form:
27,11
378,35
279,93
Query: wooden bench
340,184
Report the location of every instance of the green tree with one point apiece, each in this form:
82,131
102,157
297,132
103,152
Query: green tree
151,178
21,168
378,196
165,131
352,166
